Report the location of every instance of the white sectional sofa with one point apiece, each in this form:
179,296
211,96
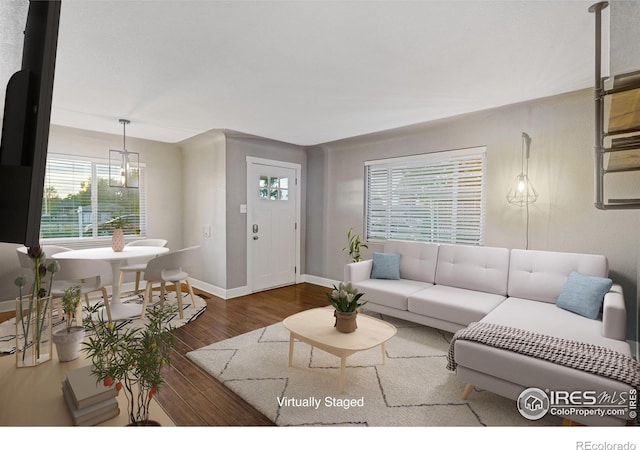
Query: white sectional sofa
450,287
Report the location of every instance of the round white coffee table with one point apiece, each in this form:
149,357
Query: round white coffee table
315,327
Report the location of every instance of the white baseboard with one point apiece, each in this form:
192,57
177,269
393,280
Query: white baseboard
8,305
325,282
227,294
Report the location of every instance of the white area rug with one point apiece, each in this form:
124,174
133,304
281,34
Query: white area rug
413,388
190,312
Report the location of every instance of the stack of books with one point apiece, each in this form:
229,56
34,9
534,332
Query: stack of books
89,401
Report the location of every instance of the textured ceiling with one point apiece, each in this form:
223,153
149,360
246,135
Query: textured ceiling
309,72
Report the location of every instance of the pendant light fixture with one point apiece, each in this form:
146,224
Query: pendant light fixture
124,166
522,192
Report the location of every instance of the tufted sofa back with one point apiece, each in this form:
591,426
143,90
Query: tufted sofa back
417,260
540,275
471,267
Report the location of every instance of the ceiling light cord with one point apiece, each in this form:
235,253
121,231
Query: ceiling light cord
526,245
124,123
522,191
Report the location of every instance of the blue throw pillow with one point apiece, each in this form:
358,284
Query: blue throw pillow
584,294
386,266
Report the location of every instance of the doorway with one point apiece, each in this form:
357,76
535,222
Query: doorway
273,217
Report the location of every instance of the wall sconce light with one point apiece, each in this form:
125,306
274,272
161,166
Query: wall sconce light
522,192
124,166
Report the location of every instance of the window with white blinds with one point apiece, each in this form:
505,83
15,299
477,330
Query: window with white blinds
79,204
435,197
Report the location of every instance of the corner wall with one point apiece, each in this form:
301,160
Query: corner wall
203,205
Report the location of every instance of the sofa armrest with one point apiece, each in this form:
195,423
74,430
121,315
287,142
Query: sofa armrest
614,315
358,271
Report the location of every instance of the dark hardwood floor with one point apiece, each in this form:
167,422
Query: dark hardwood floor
190,396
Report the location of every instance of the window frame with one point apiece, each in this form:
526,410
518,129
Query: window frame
422,161
92,241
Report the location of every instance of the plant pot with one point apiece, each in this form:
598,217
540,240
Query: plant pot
117,240
68,342
345,321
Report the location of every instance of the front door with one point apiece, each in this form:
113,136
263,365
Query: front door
272,228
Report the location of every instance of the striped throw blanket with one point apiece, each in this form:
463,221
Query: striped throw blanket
574,354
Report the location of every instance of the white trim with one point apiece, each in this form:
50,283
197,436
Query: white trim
241,291
7,305
443,154
320,281
250,201
96,159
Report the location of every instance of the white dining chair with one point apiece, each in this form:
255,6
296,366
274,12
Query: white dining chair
49,250
89,275
138,265
170,268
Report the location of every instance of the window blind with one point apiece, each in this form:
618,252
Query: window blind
78,202
435,197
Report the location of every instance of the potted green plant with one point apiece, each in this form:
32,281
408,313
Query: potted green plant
354,244
131,358
345,298
69,339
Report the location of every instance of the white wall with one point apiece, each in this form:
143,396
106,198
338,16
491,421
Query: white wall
163,186
204,204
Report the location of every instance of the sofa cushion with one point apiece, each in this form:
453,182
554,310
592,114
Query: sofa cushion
386,266
418,261
473,267
584,294
540,275
391,293
452,304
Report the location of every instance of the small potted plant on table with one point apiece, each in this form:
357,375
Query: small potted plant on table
345,298
131,358
69,340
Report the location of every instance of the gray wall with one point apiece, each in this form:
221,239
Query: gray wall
561,168
239,146
163,182
214,188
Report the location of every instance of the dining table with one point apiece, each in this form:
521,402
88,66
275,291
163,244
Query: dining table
119,309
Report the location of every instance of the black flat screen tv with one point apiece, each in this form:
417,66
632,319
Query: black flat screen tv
25,127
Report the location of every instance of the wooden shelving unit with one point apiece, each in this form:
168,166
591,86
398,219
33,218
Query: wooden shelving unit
617,107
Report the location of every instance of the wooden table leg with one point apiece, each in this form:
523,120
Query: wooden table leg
291,339
384,353
343,364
